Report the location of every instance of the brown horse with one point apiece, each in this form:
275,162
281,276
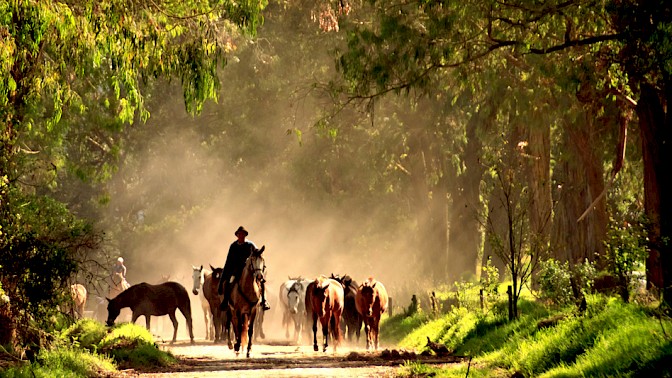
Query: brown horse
351,325
78,293
326,301
245,298
371,304
157,300
220,320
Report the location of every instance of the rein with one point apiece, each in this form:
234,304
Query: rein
253,271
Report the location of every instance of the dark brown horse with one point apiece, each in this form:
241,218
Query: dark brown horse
153,300
220,319
351,324
245,298
371,304
326,303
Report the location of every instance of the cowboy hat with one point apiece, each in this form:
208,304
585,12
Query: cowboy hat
241,229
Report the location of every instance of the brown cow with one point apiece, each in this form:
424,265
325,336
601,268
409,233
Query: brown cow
326,303
371,304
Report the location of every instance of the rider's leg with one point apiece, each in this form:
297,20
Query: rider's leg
226,293
264,304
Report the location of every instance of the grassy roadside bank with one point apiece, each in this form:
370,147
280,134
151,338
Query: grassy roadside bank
89,349
611,339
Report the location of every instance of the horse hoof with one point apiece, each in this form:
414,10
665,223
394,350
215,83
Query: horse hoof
315,348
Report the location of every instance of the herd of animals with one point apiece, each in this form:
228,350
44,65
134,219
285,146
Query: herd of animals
337,303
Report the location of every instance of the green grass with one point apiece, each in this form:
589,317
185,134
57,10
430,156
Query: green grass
132,346
86,333
88,349
395,328
65,362
612,339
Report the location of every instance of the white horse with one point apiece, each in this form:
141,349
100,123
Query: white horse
198,276
293,302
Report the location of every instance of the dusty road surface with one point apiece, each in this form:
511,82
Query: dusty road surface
279,359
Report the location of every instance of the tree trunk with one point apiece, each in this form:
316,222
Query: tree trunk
541,205
652,124
539,168
579,174
465,235
431,235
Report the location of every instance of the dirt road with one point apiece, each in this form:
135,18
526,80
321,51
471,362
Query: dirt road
278,359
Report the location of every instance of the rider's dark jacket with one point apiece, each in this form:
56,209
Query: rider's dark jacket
235,260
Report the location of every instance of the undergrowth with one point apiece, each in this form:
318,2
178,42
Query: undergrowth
89,349
612,339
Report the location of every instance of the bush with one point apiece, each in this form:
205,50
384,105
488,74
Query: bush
86,333
133,346
65,362
555,281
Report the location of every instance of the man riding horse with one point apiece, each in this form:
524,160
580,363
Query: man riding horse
239,251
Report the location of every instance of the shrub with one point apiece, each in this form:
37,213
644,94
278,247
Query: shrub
64,362
555,281
133,346
87,333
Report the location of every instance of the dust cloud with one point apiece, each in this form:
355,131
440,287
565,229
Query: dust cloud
182,200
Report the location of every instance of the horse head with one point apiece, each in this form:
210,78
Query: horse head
198,278
294,296
257,264
113,311
321,293
368,290
216,273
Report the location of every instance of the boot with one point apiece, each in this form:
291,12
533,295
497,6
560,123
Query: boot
264,304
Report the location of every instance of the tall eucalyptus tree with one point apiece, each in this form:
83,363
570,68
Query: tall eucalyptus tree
61,61
629,40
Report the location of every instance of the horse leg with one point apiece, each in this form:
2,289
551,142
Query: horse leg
190,324
261,324
217,323
315,348
227,324
285,323
249,320
174,320
367,331
337,330
358,328
376,329
212,326
325,330
297,329
238,326
207,325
